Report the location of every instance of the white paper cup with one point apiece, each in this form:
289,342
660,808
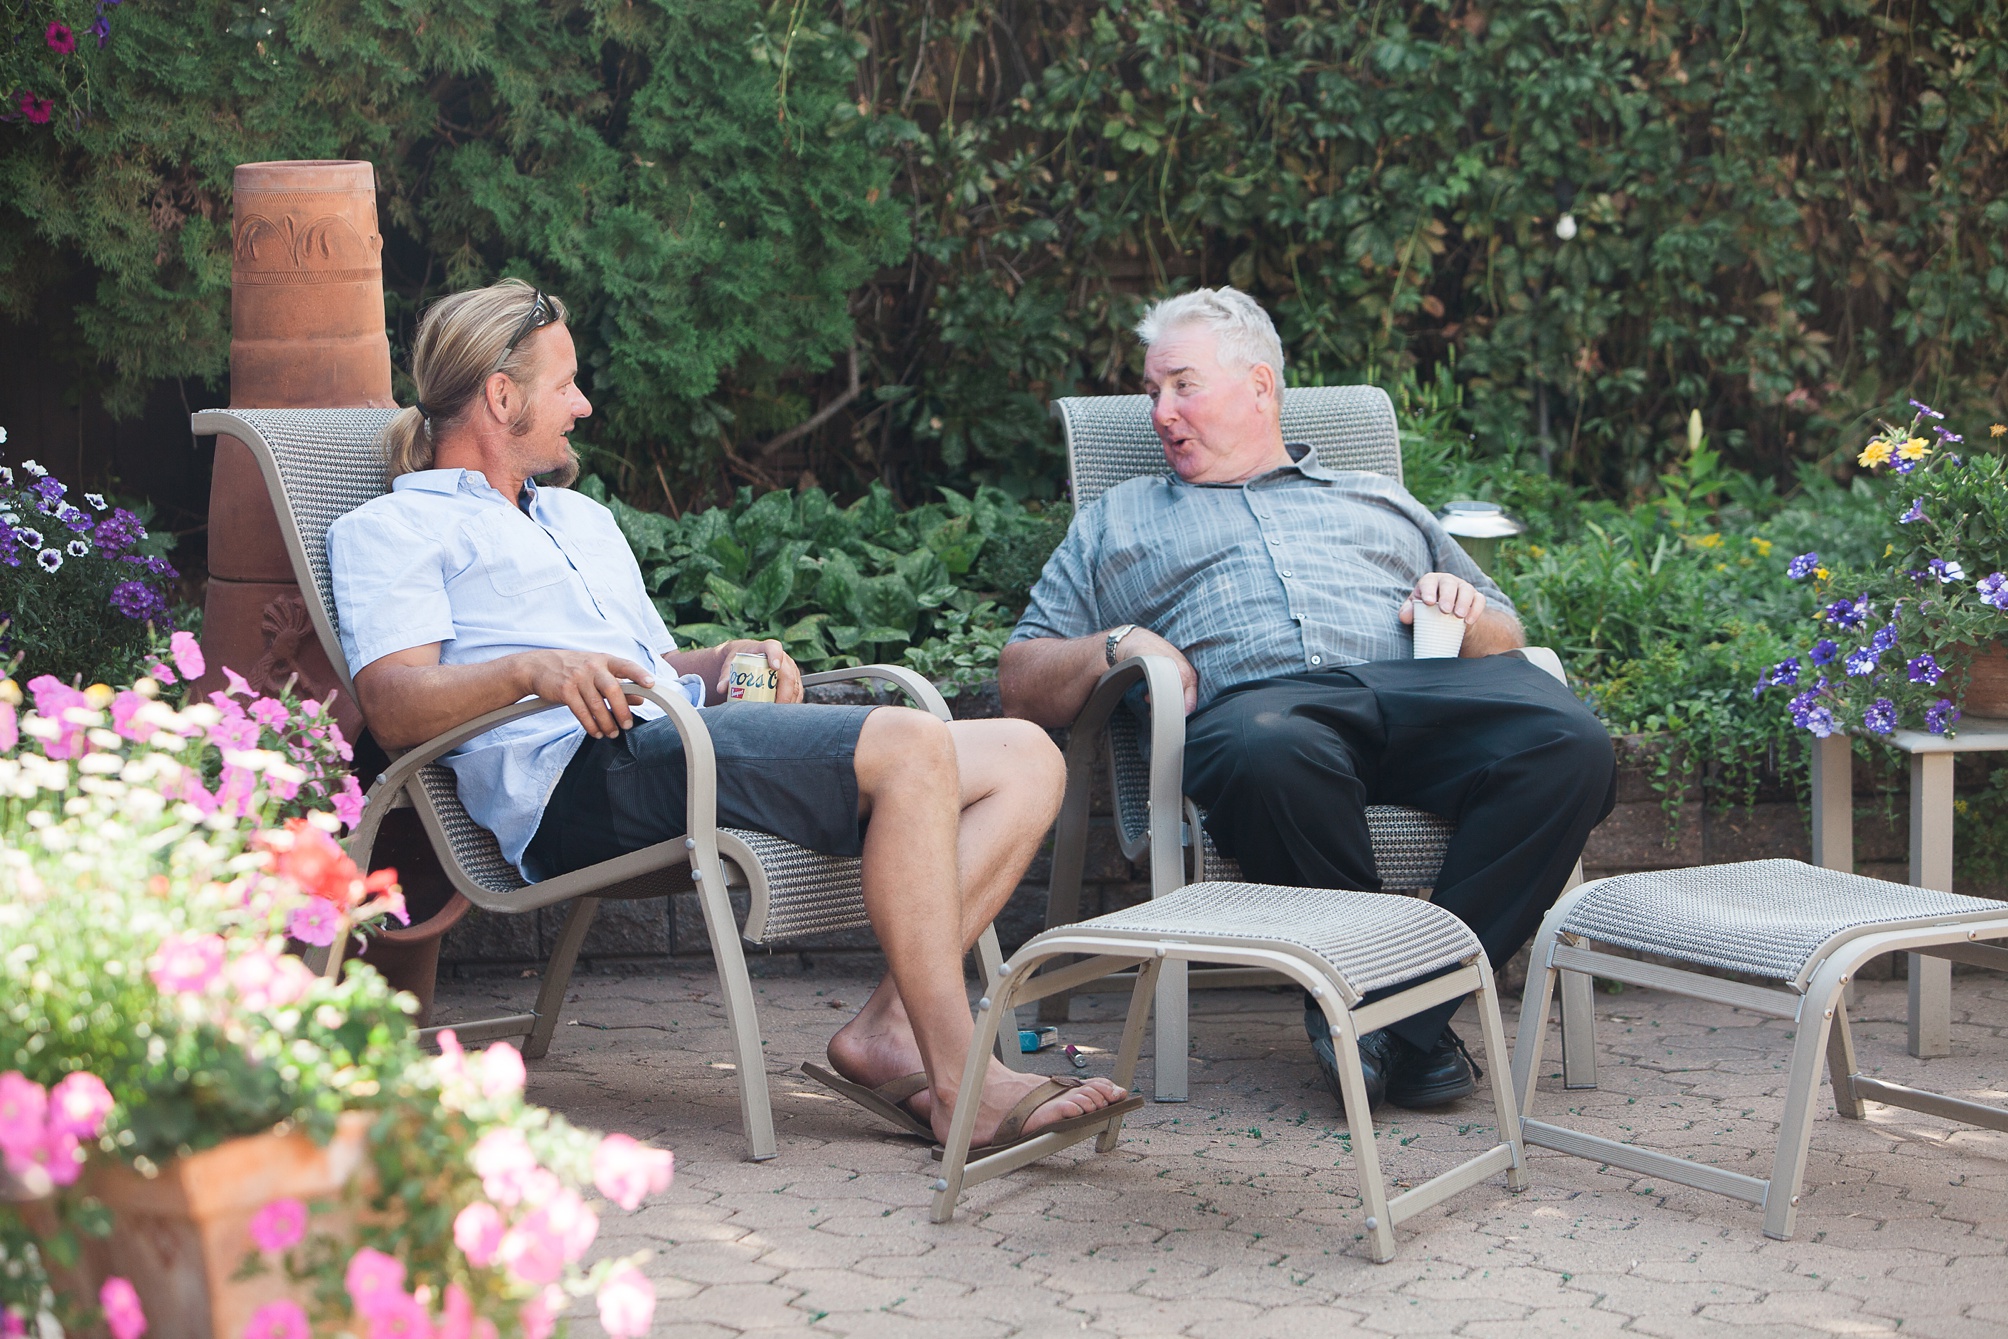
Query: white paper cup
1438,635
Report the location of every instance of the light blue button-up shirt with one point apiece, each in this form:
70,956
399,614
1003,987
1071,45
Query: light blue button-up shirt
1299,569
443,557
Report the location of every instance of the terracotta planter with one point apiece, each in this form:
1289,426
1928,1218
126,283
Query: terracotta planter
1987,683
182,1236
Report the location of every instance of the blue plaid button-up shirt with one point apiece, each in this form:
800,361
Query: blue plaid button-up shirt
1298,569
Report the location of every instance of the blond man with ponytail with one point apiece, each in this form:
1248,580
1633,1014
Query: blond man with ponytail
482,579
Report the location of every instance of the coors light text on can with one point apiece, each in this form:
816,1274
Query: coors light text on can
752,678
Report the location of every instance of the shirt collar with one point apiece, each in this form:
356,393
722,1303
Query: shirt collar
451,482
1303,461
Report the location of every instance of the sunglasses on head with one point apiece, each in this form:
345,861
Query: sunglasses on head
539,316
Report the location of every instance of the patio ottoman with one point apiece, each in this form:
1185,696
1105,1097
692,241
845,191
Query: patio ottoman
1340,946
1808,929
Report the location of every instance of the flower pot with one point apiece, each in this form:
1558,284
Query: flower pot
1987,683
182,1236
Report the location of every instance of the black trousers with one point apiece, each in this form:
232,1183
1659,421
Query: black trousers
1286,768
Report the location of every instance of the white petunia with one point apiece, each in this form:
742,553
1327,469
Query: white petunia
11,517
6,476
32,538
33,468
49,559
78,549
97,501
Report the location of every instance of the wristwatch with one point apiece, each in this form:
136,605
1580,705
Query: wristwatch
1114,640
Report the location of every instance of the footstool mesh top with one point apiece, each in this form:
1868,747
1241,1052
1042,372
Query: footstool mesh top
1767,917
1371,939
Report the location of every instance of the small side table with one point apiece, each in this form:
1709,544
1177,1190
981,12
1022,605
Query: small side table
1930,844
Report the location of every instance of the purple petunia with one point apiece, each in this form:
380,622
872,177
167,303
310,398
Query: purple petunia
50,491
1946,572
1940,715
1884,640
137,600
1916,512
1925,669
1946,435
1819,721
1785,673
153,567
49,560
1880,716
1824,651
1848,613
74,518
1802,566
1993,590
1861,662
1925,409
1904,466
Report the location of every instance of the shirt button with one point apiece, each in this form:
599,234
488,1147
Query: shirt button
1286,572
1317,660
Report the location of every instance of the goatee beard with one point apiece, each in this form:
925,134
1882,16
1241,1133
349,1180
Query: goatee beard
565,475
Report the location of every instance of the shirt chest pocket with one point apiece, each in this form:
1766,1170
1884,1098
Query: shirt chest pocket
515,556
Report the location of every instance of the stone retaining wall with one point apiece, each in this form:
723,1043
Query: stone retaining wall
1634,837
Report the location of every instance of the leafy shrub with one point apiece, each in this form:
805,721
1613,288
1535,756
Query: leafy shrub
1786,214
840,585
83,588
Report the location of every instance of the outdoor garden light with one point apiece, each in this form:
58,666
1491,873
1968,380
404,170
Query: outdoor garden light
1478,527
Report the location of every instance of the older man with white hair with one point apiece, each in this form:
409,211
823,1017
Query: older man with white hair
1282,592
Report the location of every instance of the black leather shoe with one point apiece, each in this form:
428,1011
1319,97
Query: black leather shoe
1442,1074
1376,1050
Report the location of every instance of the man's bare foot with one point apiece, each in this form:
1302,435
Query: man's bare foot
877,1047
1004,1088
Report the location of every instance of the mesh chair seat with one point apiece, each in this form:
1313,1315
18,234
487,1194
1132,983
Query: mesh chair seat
1409,844
1369,940
1770,918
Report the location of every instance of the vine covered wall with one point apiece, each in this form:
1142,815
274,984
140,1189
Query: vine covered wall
868,239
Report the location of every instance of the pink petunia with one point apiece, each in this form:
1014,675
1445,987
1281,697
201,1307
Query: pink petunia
316,923
36,108
373,1280
237,684
627,1171
456,1315
279,1226
539,1315
123,1316
61,1155
503,1160
477,1231
53,699
24,1110
10,728
282,1319
159,672
260,980
186,964
347,802
537,1249
627,1303
78,1104
124,708
270,711
502,1070
187,653
60,38
400,1316
13,1325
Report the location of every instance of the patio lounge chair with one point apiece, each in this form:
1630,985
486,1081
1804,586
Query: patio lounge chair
320,464
1109,440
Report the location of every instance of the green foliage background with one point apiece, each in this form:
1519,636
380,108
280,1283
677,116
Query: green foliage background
1789,214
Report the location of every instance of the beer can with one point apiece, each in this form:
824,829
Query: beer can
752,679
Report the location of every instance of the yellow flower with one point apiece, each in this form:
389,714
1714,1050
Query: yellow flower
1537,551
1821,574
1888,549
1997,430
99,695
1875,453
1762,545
1722,567
1959,806
10,692
1708,541
1914,449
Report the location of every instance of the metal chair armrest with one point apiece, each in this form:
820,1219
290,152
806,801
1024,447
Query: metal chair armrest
918,690
1167,751
1543,659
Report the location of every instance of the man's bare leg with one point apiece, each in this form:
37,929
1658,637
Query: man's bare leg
957,814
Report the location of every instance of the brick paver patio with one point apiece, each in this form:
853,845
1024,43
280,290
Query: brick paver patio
1234,1215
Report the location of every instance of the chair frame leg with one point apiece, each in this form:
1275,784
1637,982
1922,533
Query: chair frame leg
558,975
1172,1079
736,988
1499,1062
990,958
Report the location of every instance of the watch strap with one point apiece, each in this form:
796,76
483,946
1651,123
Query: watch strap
1113,640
